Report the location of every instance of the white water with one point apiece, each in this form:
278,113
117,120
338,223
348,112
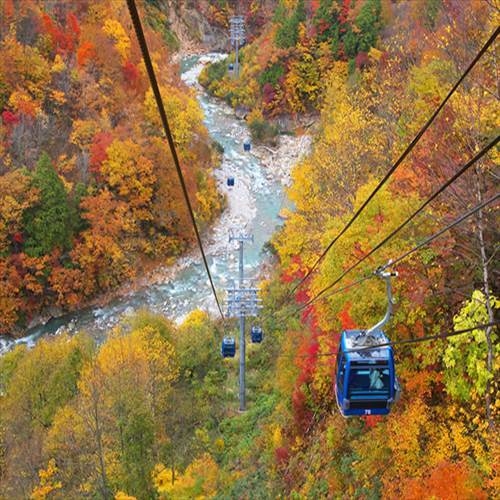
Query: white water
253,206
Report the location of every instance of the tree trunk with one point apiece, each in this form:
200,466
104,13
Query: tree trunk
486,290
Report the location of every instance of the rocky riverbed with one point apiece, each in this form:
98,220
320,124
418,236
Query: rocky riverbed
253,205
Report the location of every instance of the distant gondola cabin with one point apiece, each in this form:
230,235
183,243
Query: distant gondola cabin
228,348
247,145
256,334
366,382
230,181
230,67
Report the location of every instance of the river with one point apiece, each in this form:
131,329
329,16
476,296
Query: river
254,204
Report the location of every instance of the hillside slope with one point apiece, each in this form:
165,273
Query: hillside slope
85,187
152,413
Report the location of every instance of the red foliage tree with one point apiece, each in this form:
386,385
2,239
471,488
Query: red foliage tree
98,150
268,94
63,41
281,456
9,118
73,26
446,481
345,318
130,74
8,9
362,60
85,53
344,14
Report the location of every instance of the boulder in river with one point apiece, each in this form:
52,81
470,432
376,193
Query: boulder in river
241,112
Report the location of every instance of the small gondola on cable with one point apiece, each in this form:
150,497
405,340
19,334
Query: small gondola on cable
247,145
366,382
256,334
230,181
230,67
228,347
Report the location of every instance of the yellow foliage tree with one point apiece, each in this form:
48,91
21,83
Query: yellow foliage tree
115,30
199,480
303,80
16,195
47,484
125,391
130,174
184,114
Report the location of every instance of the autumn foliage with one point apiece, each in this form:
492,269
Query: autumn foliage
151,413
84,171
439,441
283,70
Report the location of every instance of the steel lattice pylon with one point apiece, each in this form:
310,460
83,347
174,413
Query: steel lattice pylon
237,37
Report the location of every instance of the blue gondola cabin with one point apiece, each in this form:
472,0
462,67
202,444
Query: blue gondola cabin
228,348
247,145
256,334
366,382
230,181
230,67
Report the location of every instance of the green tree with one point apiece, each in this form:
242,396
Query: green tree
327,22
48,224
350,44
197,398
288,33
465,356
369,24
271,74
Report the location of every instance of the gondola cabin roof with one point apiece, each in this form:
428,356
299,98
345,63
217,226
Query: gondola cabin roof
351,340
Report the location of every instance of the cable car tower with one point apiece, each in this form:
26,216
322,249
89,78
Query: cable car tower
242,301
366,382
237,37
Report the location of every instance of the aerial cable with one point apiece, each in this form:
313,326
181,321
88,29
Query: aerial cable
161,108
429,337
439,233
436,193
399,161
366,277
399,342
393,262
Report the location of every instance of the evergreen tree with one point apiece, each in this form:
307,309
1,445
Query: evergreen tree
350,44
48,224
368,22
288,33
327,22
77,223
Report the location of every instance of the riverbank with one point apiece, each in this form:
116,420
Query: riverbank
253,204
278,163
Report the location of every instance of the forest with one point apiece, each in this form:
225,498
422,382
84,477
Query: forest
87,204
86,194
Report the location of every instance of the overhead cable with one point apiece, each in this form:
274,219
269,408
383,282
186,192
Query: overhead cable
457,221
161,108
436,193
428,338
393,262
400,159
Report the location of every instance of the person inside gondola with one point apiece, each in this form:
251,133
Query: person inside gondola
376,381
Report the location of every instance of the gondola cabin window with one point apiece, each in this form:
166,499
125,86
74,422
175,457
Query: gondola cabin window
368,381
